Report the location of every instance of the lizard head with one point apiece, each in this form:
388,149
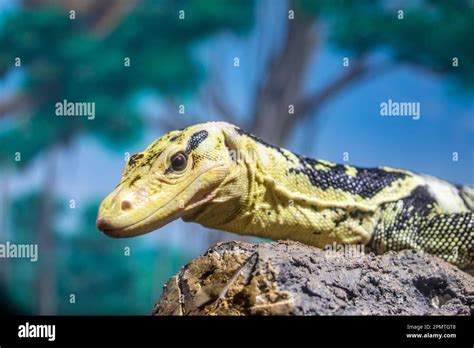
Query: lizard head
177,176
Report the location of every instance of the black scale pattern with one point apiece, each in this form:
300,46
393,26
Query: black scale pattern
195,140
438,234
366,183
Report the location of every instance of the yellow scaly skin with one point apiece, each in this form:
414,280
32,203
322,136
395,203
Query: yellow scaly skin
231,180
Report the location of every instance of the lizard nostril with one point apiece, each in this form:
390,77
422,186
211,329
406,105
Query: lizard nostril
126,205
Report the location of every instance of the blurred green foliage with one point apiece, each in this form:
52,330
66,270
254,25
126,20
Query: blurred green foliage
64,59
430,34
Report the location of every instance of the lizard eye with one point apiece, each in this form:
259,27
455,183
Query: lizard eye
179,162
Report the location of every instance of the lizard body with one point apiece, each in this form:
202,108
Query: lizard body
220,176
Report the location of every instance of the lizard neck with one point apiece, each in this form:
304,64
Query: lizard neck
277,194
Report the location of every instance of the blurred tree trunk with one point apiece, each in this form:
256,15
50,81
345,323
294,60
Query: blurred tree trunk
46,277
283,84
282,89
281,102
5,231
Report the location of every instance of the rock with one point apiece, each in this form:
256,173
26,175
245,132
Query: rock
290,278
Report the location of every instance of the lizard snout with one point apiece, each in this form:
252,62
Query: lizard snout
102,224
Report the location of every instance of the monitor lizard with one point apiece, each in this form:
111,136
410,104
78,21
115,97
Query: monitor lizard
224,178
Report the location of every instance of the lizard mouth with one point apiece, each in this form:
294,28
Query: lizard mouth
132,230
146,224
